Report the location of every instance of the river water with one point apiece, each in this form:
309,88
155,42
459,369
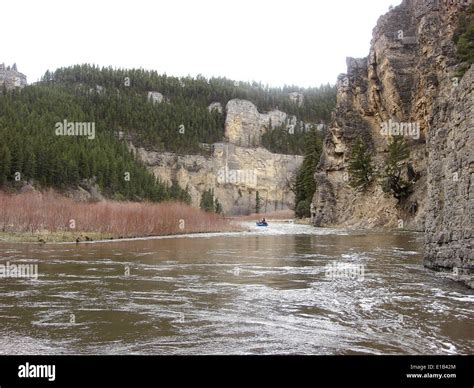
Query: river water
264,291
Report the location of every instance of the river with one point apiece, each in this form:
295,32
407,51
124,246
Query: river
263,291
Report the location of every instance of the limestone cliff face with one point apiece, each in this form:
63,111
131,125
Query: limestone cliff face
449,238
235,173
237,168
11,78
245,125
408,78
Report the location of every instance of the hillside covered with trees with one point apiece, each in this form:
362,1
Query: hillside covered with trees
117,102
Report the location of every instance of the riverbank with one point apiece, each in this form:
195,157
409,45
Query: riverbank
50,217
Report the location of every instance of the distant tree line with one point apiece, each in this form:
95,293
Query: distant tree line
182,121
31,151
116,101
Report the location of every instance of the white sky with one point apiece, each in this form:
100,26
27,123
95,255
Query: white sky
301,42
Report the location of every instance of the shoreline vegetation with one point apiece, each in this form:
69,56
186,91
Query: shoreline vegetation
49,217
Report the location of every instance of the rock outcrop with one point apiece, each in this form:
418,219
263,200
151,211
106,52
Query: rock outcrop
155,97
296,98
245,125
215,106
237,168
449,237
11,78
409,78
235,173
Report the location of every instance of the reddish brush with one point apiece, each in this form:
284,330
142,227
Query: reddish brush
49,211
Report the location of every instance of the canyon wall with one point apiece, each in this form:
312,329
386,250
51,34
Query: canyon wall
410,77
245,125
237,168
449,237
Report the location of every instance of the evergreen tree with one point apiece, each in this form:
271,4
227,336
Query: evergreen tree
360,168
185,196
5,162
303,209
258,203
393,181
207,201
217,207
464,40
305,186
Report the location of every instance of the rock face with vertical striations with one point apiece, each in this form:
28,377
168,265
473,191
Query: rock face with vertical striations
11,78
234,173
409,78
449,240
245,125
236,169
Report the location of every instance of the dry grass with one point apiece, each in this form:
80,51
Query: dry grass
49,212
276,215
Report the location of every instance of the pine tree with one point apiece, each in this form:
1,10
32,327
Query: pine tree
305,185
5,164
258,203
393,181
361,171
186,196
217,207
464,40
207,201
303,209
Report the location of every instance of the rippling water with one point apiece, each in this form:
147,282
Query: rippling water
265,291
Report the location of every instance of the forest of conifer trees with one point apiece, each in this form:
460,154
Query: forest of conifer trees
116,101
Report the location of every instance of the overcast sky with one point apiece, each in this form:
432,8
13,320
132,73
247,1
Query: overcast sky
302,42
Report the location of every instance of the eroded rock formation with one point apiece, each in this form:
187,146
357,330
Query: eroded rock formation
11,78
449,236
237,168
235,173
408,77
245,125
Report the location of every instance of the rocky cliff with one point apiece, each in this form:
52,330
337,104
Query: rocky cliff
245,125
237,168
11,78
449,236
234,173
409,80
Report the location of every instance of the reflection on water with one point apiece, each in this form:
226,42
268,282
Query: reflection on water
259,292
